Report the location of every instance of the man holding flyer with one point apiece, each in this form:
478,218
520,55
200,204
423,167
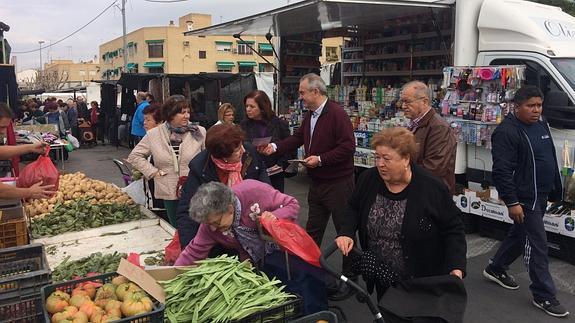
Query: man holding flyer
327,135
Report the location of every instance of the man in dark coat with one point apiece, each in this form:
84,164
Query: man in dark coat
526,176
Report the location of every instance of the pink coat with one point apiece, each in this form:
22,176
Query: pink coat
255,198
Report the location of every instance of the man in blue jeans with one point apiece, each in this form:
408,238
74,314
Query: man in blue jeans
526,175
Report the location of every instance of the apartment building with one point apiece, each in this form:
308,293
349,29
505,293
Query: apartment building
165,49
72,74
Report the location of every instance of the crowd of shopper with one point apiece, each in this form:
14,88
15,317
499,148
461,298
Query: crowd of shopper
215,184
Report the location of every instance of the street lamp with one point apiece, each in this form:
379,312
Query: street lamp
40,42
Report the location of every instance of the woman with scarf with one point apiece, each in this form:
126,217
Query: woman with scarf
261,122
226,160
228,217
172,145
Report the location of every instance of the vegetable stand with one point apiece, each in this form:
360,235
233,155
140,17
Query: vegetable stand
144,235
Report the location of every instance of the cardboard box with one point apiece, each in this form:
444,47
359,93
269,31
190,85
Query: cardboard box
148,279
462,202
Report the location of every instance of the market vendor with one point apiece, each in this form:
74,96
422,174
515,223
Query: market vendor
227,216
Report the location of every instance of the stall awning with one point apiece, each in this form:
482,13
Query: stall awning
247,64
153,64
225,64
132,65
130,44
223,42
265,47
321,15
245,42
154,41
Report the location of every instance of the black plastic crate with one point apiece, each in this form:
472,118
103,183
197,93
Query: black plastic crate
279,314
156,315
24,271
313,318
23,309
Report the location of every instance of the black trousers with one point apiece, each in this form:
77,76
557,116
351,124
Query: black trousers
325,200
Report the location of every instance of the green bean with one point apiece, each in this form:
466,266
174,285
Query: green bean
231,288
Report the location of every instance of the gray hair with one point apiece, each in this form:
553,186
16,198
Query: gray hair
210,198
141,96
314,81
421,90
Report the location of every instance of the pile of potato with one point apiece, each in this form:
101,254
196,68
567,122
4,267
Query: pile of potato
76,186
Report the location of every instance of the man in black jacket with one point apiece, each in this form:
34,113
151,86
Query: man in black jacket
526,175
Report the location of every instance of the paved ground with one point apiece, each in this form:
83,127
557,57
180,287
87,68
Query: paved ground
486,301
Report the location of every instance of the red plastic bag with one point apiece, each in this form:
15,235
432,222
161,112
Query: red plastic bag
41,170
293,238
172,250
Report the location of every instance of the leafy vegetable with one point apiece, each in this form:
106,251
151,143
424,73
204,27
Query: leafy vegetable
95,263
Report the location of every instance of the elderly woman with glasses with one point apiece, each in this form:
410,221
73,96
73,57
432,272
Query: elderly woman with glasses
228,215
172,145
405,216
228,160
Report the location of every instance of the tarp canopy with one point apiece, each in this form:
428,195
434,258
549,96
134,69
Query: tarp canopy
322,15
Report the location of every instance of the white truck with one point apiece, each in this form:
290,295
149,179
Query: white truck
486,32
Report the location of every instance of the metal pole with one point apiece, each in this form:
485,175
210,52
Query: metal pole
124,50
40,42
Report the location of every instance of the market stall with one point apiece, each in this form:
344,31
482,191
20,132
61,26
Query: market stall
387,43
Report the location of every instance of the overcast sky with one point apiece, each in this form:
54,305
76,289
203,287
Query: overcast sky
50,20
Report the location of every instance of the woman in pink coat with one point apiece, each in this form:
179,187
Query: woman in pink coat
227,216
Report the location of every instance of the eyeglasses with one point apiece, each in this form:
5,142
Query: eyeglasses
409,102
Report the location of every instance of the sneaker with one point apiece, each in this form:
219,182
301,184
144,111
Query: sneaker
502,278
552,308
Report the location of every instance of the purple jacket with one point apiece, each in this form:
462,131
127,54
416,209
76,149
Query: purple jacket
333,140
255,198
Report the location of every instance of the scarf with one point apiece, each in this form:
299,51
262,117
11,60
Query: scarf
234,169
177,133
249,238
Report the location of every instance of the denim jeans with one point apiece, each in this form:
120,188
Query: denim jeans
530,240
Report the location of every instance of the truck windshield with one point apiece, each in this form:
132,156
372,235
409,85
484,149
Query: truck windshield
566,67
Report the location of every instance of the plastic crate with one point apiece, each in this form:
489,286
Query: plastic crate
13,233
23,309
156,315
313,318
23,271
281,313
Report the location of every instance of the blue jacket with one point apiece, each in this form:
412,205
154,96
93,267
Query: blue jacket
138,120
203,170
514,173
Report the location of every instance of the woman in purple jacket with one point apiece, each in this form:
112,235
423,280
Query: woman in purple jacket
227,216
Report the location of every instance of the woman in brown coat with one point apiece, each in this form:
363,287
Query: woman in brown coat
172,145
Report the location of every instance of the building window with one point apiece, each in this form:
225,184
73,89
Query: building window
243,49
224,46
92,73
82,73
331,54
265,67
155,50
224,69
265,49
202,54
155,70
246,69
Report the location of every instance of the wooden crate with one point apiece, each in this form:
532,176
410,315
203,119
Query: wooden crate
13,233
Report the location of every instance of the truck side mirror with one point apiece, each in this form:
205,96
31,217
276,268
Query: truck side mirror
558,111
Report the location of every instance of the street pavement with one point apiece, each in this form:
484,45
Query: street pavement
487,302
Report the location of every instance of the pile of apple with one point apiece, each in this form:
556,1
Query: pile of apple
94,302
